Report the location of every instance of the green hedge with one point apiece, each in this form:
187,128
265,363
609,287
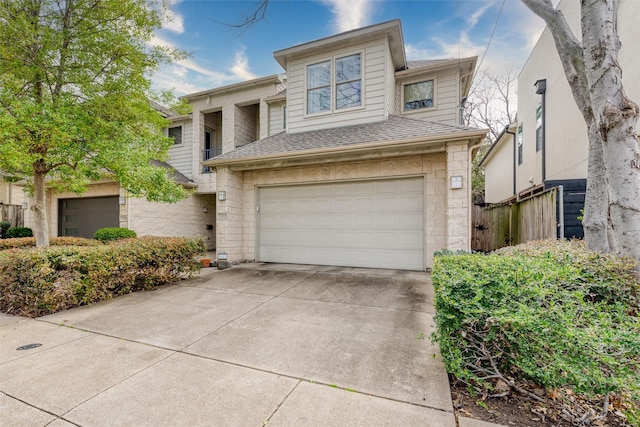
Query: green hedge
39,281
550,312
113,233
16,232
4,226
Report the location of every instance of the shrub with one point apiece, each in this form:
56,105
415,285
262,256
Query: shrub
114,233
4,226
23,242
39,281
15,232
550,312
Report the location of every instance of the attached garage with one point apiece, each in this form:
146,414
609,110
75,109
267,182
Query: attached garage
373,223
83,216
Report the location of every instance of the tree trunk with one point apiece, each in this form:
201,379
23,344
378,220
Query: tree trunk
616,117
597,230
41,226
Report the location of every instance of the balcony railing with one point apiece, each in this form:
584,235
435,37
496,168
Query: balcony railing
209,154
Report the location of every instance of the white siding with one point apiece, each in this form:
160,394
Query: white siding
446,97
498,173
390,83
180,156
373,97
276,117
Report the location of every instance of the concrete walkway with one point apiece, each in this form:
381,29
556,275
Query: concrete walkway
279,344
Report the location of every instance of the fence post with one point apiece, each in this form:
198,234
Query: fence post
561,210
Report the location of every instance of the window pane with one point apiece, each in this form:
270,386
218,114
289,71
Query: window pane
418,95
348,68
348,94
319,75
318,100
176,134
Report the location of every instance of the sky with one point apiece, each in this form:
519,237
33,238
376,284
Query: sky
221,54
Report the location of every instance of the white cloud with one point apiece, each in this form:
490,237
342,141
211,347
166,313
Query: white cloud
349,14
473,18
172,19
241,66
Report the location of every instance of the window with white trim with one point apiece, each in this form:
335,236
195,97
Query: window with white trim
319,87
344,85
418,95
175,133
348,82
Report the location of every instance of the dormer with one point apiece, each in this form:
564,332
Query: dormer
344,79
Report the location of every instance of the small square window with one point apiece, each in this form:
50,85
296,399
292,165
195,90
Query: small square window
176,133
418,95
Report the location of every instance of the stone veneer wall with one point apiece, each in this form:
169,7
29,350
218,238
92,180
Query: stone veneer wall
447,213
185,218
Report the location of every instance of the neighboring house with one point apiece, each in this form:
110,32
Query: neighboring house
372,168
548,145
354,157
10,193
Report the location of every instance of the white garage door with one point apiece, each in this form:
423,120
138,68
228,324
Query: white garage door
376,224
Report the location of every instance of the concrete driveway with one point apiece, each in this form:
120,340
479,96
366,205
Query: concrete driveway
285,345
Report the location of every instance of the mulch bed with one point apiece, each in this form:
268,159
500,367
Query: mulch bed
561,409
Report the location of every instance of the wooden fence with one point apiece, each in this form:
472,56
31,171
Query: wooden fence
12,213
496,226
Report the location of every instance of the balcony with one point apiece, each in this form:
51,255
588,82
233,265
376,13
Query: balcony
210,154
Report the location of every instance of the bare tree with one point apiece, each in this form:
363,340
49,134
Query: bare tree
612,206
491,101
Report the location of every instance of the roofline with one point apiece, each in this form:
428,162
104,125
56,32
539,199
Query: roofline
275,98
434,140
497,142
386,27
273,78
437,66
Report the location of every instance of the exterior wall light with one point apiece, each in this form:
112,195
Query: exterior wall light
25,205
456,182
122,201
222,195
205,210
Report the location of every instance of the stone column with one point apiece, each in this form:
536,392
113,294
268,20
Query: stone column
229,220
228,128
458,199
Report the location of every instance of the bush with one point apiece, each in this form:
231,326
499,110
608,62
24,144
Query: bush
15,232
4,226
39,281
550,312
23,242
114,233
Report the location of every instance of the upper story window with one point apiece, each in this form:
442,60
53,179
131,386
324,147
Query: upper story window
348,87
520,144
418,95
175,133
319,87
345,85
539,127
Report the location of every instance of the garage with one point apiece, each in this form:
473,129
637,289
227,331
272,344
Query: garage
377,224
83,216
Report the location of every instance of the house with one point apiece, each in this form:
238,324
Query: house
372,168
352,156
548,145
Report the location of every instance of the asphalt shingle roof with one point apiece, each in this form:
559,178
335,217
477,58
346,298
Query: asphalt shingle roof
395,128
426,62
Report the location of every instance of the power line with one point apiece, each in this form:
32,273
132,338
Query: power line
495,25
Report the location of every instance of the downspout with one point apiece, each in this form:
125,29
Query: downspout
515,160
541,89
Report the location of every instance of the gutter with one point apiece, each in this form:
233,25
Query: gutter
435,140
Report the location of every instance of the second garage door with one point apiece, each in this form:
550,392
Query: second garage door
377,224
84,216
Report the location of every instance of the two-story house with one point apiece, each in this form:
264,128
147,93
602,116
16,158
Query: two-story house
354,156
548,145
372,168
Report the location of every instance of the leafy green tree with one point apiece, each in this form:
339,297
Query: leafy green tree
75,98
